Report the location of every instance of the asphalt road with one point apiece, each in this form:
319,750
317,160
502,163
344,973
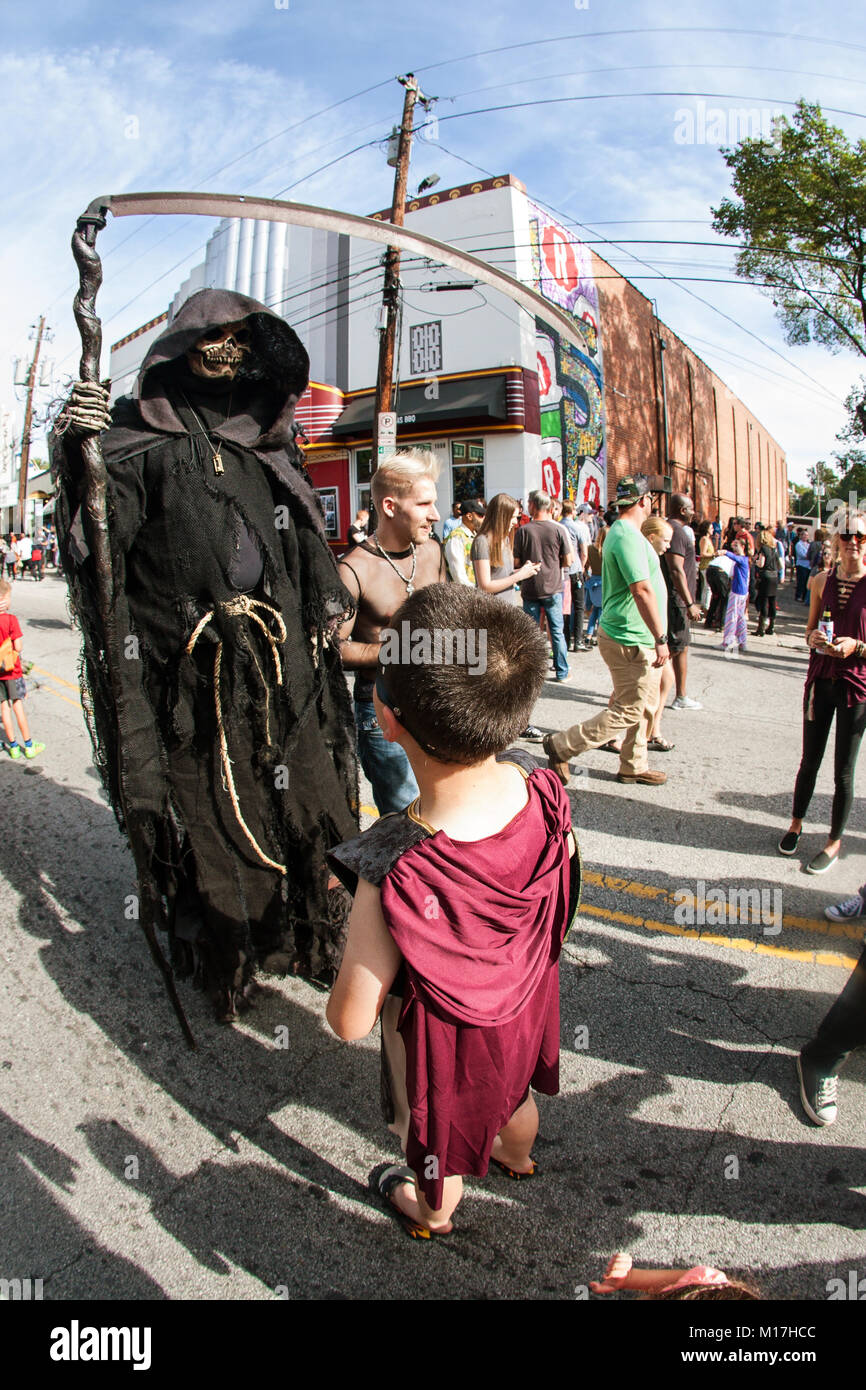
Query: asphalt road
136,1169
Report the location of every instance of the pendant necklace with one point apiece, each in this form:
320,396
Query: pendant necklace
215,453
410,587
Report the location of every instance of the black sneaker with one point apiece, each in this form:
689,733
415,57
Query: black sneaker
817,1091
532,734
789,842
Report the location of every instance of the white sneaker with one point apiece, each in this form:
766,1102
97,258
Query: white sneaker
683,702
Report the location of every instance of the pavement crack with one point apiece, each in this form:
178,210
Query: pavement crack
46,1278
703,1158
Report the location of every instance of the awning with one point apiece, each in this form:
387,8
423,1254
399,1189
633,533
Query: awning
477,400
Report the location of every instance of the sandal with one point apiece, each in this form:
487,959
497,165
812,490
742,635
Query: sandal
384,1184
513,1173
611,746
660,745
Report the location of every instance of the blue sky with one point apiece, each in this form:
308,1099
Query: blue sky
100,98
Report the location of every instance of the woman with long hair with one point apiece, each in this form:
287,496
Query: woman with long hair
593,584
659,533
705,552
767,583
491,554
835,685
493,562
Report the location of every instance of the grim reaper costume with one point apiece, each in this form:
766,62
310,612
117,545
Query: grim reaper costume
235,730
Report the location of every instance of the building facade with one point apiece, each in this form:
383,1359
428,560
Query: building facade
494,393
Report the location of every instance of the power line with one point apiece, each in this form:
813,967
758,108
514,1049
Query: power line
622,96
325,110
366,145
652,67
656,29
198,249
672,279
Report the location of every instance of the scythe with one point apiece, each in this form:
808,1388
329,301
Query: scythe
95,517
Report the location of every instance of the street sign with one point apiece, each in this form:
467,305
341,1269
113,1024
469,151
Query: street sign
387,434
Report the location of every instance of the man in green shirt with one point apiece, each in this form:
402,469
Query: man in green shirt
632,641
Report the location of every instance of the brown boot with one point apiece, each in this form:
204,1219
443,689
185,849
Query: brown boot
562,769
648,778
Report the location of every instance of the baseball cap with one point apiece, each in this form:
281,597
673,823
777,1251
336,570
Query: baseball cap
631,488
472,504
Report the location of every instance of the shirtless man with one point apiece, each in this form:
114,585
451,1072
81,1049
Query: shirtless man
401,556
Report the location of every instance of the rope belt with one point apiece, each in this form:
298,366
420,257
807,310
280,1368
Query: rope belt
242,606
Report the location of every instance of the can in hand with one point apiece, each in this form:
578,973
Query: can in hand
825,627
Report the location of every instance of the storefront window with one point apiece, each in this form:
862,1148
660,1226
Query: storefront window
363,466
467,469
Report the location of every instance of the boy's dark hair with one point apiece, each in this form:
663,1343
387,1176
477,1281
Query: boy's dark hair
455,712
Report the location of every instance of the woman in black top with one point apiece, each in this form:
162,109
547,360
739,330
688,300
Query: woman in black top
767,572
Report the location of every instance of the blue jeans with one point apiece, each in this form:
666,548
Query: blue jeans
385,764
553,608
593,599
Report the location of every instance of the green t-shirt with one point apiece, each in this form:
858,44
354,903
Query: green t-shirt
628,557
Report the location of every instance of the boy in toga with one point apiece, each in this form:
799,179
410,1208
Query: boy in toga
462,902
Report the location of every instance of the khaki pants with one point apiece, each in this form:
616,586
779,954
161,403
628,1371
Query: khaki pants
632,707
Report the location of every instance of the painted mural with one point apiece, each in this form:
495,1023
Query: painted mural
570,382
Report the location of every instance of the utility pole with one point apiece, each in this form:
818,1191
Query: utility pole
391,286
28,420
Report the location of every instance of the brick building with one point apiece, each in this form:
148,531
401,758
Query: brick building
718,450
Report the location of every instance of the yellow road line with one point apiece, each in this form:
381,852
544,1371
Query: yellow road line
761,948
71,685
46,690
834,959
664,896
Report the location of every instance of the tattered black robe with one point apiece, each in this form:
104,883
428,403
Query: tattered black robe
186,541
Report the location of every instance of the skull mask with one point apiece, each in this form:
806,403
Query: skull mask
220,352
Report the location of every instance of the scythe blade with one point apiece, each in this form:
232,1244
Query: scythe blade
327,219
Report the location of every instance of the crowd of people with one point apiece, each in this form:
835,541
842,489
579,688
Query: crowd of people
465,831
27,556
479,833
21,556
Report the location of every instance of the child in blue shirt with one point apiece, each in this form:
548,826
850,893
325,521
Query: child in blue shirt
735,616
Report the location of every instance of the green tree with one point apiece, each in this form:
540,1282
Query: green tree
800,214
852,480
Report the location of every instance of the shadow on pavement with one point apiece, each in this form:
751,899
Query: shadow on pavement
611,1172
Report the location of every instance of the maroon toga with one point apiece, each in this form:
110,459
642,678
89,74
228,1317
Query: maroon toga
480,926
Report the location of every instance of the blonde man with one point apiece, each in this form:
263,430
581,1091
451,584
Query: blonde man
401,556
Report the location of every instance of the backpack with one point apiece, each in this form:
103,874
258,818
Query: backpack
8,655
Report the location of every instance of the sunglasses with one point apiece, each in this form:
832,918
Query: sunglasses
852,536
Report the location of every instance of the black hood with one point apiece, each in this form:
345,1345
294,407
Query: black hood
275,377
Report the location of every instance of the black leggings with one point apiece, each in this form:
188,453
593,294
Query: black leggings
766,603
829,699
